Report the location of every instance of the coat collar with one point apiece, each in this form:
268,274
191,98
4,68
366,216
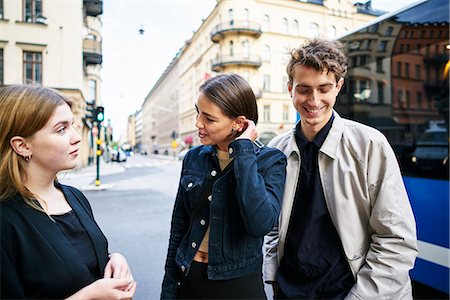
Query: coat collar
329,146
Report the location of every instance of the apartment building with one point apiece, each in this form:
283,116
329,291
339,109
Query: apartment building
56,44
252,38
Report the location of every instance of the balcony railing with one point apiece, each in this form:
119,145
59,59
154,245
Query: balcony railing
220,62
93,7
243,27
92,52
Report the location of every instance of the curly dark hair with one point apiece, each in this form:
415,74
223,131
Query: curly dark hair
321,55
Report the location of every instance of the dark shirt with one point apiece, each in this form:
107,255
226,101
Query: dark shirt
75,233
314,265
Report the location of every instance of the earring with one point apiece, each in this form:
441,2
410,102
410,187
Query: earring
27,157
233,130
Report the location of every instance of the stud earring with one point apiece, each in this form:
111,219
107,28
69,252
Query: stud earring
27,157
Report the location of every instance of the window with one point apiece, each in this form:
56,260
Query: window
418,71
313,30
266,23
266,113
1,65
231,48
32,67
92,91
285,113
380,87
285,84
399,69
382,46
231,16
379,64
245,49
285,26
265,53
266,82
400,98
417,49
32,9
419,100
286,54
408,99
1,9
246,17
246,76
332,32
295,28
389,30
407,70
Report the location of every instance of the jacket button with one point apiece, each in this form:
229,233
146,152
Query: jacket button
230,150
210,198
183,268
194,244
202,222
178,283
190,184
213,173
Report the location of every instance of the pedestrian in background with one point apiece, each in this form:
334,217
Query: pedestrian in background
51,246
228,199
346,227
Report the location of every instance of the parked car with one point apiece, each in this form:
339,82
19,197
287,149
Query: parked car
119,155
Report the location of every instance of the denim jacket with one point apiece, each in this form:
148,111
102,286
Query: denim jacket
243,206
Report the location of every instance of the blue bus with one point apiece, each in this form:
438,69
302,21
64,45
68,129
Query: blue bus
398,82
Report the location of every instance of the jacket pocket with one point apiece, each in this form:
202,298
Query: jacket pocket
191,181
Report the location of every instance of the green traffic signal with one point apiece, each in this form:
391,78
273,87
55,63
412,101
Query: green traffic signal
99,114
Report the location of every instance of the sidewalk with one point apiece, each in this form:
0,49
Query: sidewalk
85,177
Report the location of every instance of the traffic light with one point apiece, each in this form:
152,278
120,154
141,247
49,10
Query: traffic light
90,108
99,114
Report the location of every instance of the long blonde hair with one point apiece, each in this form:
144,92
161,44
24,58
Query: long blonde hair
24,110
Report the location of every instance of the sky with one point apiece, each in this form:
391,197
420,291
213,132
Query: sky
133,62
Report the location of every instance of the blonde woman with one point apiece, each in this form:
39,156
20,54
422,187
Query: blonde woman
51,246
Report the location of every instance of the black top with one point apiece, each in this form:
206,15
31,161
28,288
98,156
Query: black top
37,260
74,232
314,265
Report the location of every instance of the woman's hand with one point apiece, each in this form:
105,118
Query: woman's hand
248,131
106,288
117,267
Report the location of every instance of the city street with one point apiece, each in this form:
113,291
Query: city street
135,213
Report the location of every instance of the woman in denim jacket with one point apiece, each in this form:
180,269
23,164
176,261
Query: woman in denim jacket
228,199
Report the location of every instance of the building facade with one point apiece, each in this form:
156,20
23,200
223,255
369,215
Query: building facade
252,38
58,45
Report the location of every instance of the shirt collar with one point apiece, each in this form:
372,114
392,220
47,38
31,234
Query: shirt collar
318,140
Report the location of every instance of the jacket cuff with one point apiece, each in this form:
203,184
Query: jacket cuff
269,272
240,146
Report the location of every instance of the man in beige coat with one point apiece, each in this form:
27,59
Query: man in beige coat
346,228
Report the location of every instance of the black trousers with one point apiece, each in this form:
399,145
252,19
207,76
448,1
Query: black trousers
197,285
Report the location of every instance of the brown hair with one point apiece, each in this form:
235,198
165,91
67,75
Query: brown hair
232,94
320,55
24,110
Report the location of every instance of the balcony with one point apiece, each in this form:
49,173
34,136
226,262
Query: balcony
93,7
92,52
239,27
219,63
